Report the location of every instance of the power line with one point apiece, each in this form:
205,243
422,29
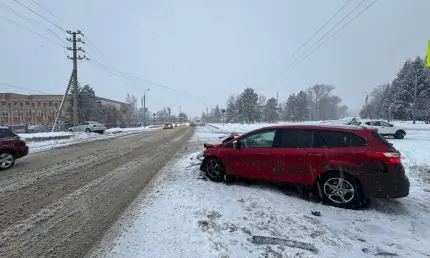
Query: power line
17,13
32,31
55,16
22,88
135,78
319,40
41,16
295,63
321,28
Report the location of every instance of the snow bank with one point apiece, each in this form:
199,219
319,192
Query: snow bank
28,136
183,215
133,129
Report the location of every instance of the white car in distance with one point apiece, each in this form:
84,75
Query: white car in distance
384,128
88,126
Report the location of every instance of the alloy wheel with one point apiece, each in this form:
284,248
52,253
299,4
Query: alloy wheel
6,160
213,169
339,190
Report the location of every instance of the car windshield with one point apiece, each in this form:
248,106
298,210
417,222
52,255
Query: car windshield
214,128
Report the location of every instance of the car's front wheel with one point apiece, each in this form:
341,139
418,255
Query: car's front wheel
88,130
214,169
341,190
7,160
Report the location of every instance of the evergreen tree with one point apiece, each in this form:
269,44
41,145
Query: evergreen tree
248,105
217,115
270,111
302,108
231,109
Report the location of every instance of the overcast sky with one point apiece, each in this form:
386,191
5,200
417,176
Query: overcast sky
212,49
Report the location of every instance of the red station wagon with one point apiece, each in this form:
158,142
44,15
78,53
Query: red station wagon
346,165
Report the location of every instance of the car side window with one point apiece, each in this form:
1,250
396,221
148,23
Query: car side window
289,138
342,139
312,139
382,123
85,123
262,139
6,133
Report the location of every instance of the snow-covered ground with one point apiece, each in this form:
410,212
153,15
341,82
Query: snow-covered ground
75,137
182,215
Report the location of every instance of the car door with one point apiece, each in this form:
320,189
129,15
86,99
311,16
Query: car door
316,154
253,156
385,128
290,166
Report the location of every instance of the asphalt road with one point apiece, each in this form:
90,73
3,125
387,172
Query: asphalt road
59,203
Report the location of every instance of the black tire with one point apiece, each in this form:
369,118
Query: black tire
101,132
7,160
351,190
400,134
88,130
214,169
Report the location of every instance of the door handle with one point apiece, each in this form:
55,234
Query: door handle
314,154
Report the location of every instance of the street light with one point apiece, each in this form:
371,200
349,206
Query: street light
144,107
366,103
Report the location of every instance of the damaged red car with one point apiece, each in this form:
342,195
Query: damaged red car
345,165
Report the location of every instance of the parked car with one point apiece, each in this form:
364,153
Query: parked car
345,165
168,126
12,147
384,128
88,126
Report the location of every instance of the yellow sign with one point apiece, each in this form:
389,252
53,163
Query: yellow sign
428,54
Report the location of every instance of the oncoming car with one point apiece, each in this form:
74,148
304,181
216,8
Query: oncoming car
88,126
344,165
168,126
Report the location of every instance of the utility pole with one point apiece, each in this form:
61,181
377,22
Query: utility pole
75,59
144,106
179,116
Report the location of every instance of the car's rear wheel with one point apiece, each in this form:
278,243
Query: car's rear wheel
214,169
87,130
7,160
399,134
341,190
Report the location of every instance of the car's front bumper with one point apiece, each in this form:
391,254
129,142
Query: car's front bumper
392,184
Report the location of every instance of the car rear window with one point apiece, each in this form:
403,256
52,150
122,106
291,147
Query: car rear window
6,133
381,139
342,139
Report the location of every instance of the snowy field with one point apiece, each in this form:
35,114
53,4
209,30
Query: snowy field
182,215
75,137
241,128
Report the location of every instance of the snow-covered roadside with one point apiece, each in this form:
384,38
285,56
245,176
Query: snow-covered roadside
76,137
185,216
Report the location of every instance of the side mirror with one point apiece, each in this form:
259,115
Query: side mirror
236,144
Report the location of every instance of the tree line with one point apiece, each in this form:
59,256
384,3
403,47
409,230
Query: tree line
407,97
316,103
90,108
137,115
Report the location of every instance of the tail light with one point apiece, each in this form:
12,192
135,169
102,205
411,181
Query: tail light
391,157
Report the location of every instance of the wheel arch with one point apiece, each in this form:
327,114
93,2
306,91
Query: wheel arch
401,131
9,150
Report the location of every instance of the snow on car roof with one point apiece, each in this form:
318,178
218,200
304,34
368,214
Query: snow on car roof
320,126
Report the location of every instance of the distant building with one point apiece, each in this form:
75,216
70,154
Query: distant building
16,109
19,109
